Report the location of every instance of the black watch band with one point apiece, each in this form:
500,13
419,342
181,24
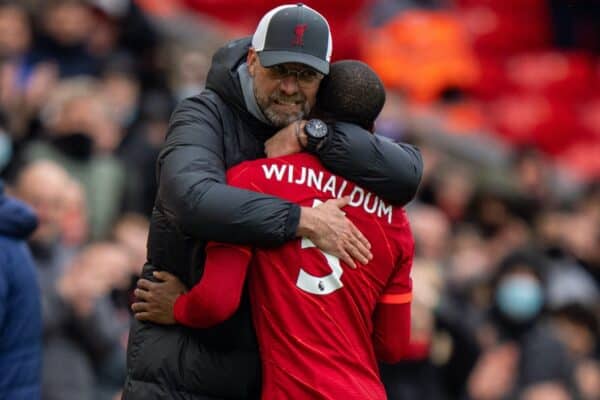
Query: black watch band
316,131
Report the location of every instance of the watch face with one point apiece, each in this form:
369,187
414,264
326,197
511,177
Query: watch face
316,128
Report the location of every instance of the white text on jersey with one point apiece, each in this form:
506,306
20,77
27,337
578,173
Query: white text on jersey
311,178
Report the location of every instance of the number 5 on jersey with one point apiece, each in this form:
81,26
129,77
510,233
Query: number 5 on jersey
320,285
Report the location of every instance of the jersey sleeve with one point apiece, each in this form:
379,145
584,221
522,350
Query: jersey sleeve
217,295
391,331
399,288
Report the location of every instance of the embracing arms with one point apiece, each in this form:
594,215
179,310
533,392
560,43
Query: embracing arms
391,170
193,193
192,189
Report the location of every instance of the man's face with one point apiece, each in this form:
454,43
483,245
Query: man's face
283,100
41,186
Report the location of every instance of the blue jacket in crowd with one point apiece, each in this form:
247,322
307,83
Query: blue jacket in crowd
20,310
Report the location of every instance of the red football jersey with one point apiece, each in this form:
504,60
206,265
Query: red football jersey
314,315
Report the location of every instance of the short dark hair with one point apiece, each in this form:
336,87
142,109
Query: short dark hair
352,92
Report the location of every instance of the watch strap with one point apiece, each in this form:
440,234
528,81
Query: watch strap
313,143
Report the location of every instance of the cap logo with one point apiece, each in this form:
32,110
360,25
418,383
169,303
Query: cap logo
299,32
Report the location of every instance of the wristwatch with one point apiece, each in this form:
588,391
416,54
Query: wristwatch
316,130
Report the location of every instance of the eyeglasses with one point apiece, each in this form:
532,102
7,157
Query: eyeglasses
305,77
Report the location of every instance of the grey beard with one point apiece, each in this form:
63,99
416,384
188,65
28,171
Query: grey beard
276,119
282,120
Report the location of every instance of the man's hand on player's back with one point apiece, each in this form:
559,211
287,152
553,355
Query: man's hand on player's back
326,225
330,230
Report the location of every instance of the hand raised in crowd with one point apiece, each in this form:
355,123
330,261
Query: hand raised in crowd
289,140
546,391
43,79
495,373
78,288
331,231
157,299
81,286
97,270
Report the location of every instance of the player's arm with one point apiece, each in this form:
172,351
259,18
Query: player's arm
193,195
211,301
391,320
217,295
391,333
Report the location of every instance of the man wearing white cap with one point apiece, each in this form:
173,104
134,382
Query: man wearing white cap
254,88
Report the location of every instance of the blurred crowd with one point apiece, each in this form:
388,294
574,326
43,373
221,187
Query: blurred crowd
502,97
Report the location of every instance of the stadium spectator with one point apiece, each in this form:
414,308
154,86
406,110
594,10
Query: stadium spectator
20,308
87,330
66,29
523,349
80,134
41,184
443,347
79,327
23,86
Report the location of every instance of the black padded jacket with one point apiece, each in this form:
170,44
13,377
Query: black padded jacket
208,134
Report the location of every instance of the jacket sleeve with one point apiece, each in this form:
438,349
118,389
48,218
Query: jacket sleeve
390,170
192,190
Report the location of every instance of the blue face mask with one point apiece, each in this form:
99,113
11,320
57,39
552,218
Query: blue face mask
520,298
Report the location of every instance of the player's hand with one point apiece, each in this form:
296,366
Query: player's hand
156,299
329,229
285,142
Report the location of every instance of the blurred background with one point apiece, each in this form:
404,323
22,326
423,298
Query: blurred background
501,96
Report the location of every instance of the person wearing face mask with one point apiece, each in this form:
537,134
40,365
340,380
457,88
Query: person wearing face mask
519,298
79,133
526,350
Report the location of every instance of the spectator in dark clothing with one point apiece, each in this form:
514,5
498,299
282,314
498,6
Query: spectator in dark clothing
525,350
20,310
419,377
437,322
140,147
249,97
79,134
80,329
67,25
